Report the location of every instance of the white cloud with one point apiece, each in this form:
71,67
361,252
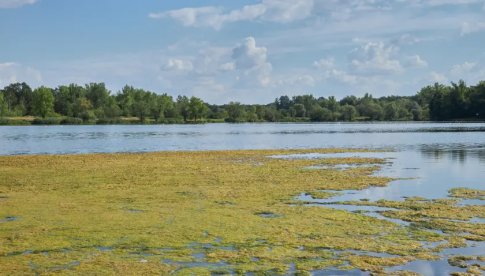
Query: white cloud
11,72
324,63
437,77
283,11
374,58
287,10
460,70
178,65
472,27
8,4
213,17
252,61
415,61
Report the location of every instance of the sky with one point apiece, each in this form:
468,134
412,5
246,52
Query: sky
250,51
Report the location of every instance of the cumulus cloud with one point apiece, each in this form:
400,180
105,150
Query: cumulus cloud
252,61
437,77
174,64
324,63
11,72
215,17
374,58
459,70
8,4
415,61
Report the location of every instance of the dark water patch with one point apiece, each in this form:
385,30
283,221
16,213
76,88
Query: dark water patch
367,253
135,211
268,215
104,248
478,221
472,248
340,167
67,266
338,272
470,202
437,267
9,219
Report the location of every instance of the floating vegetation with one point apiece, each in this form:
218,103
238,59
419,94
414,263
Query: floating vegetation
211,212
466,193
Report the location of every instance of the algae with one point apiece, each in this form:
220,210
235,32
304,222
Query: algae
196,213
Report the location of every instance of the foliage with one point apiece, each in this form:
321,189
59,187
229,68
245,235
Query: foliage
94,103
42,102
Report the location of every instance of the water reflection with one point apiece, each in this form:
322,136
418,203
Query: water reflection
432,139
455,152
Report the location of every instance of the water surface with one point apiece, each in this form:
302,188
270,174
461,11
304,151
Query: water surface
430,158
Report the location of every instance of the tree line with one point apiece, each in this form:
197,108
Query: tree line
94,103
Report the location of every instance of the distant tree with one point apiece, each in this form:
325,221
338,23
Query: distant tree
197,108
391,112
43,101
183,107
321,114
142,104
3,105
251,115
349,100
97,94
111,109
370,109
18,97
477,100
162,107
348,113
300,110
81,108
235,112
283,102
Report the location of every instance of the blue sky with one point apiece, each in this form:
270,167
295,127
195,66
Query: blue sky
247,51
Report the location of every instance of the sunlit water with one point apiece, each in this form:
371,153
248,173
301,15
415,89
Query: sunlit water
434,157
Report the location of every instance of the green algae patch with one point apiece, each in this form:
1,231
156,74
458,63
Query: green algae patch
190,213
466,193
444,215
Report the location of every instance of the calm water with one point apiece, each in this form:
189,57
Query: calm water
435,156
432,139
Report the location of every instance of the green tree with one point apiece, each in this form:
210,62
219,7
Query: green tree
43,102
348,112
3,105
197,108
183,107
18,97
235,112
391,111
300,110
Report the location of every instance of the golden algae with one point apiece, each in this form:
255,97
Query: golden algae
192,213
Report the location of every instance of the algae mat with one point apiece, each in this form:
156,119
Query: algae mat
214,212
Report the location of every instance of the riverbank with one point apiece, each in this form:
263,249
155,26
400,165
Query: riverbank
205,212
62,120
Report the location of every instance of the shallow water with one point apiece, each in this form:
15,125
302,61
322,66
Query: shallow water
429,158
453,138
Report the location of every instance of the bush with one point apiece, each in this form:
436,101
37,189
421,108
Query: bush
72,121
10,122
47,121
108,121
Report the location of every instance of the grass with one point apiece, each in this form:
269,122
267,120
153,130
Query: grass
190,213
